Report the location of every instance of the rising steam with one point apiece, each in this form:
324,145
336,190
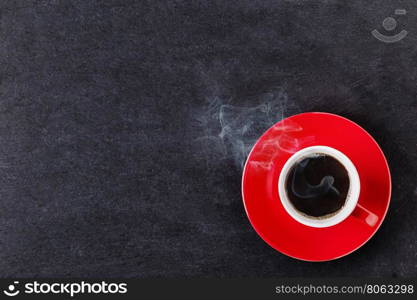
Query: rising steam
304,190
232,130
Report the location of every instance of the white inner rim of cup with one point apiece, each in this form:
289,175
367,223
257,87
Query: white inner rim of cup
351,198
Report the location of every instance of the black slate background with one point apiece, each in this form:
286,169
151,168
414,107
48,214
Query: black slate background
100,171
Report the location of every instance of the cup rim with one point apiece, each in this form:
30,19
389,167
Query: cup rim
353,193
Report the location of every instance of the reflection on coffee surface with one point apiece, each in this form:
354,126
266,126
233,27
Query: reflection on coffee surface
318,185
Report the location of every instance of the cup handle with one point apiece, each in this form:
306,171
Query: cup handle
365,215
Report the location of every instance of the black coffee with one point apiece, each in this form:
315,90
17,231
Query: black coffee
318,185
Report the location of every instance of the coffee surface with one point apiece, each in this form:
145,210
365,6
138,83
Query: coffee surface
318,185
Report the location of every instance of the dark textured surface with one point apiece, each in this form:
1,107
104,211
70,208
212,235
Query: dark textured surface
100,171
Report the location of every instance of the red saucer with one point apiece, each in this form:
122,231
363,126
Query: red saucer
260,186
